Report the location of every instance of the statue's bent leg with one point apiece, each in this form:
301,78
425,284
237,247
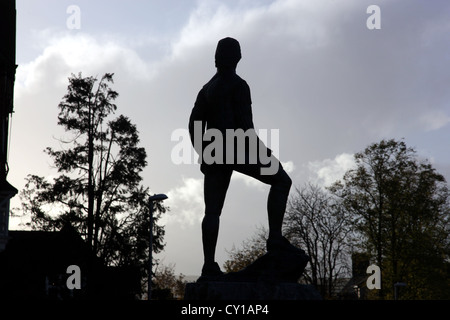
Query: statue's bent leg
280,184
276,202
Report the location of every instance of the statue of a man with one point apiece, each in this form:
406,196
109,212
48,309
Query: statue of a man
222,104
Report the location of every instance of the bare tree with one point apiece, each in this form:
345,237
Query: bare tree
251,249
317,222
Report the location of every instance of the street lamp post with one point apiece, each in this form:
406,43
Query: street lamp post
156,197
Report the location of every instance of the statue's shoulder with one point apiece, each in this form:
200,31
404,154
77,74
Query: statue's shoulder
239,83
240,86
239,80
213,79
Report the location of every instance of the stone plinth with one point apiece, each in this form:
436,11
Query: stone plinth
211,290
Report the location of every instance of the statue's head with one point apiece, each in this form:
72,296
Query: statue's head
228,53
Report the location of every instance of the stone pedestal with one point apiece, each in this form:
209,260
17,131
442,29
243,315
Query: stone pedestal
273,276
211,290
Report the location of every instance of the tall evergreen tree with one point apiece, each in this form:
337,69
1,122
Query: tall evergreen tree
98,189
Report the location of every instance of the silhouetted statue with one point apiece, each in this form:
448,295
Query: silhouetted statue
224,103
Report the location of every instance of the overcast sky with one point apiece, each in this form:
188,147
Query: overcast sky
331,85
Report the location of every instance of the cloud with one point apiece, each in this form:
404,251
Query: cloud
328,171
66,53
288,166
186,203
435,120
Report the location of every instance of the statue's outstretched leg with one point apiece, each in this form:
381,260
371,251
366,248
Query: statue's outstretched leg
216,182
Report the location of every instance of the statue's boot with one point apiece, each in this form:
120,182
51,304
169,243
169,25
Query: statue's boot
281,244
211,272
